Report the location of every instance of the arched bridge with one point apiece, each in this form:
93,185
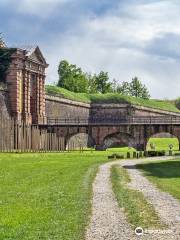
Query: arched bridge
133,131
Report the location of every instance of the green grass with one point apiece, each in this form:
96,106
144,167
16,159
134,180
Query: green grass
138,211
163,143
46,196
110,98
165,175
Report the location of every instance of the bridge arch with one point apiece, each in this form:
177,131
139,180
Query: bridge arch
79,140
167,138
119,139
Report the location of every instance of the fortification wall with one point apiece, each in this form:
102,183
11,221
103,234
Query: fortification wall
63,108
57,107
110,110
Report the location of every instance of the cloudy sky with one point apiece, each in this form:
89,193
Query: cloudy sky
127,38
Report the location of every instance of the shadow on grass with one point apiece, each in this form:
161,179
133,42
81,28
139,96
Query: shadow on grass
168,169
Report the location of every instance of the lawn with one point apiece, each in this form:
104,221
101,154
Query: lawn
165,175
46,196
163,143
138,211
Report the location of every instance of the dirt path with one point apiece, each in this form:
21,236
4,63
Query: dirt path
108,220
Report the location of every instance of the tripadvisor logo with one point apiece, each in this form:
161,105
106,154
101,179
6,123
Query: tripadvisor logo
139,231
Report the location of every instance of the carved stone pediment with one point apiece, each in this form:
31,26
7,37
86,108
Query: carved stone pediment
35,55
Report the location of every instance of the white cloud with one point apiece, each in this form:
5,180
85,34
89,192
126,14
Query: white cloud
120,42
116,42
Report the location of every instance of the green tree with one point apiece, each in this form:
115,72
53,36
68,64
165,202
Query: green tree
102,82
92,84
124,88
177,103
137,89
71,77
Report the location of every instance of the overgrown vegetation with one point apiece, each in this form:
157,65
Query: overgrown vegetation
165,175
5,60
111,98
138,211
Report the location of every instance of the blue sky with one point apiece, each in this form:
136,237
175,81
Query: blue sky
127,38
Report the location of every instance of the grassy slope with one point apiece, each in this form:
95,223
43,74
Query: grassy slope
163,143
139,212
110,98
46,196
166,175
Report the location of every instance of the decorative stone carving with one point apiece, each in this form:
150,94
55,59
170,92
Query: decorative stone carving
25,80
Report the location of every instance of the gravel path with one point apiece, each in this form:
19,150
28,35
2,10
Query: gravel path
108,220
167,207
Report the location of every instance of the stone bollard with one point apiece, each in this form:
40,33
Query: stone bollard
128,155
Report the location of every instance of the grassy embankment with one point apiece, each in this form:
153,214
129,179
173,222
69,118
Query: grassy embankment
138,211
165,175
111,98
46,196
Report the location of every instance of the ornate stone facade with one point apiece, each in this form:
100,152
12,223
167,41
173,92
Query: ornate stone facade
26,85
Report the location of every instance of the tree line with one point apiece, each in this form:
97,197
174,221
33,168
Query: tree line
74,79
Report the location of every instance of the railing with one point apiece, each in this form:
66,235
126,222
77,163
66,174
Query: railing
114,121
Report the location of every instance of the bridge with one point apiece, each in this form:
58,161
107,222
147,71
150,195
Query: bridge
133,131
112,121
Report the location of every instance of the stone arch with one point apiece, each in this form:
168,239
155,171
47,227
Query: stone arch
162,134
79,140
119,139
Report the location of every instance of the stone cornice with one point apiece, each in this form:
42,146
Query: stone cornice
67,101
155,110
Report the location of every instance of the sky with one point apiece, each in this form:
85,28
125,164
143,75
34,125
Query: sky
126,38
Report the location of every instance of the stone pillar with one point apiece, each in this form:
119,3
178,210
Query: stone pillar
15,84
37,96
40,100
26,98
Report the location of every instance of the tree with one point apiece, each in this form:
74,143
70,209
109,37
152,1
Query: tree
2,43
114,85
177,103
102,82
92,84
137,89
124,88
71,77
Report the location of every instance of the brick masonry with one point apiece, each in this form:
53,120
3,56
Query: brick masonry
25,84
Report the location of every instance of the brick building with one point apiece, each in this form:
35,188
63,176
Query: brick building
26,85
